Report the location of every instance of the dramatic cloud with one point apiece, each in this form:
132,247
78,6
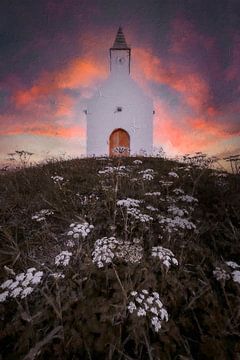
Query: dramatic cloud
185,56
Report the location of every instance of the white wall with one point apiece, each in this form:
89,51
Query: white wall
137,111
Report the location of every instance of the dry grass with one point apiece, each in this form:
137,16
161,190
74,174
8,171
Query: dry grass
84,315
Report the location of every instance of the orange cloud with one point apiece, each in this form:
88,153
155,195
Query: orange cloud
79,73
177,134
190,85
11,125
186,134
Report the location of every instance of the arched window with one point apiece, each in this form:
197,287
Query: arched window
119,143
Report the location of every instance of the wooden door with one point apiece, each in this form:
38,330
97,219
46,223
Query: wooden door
119,143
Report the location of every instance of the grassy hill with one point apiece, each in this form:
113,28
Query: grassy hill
135,258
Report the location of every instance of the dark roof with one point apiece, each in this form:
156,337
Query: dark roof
120,41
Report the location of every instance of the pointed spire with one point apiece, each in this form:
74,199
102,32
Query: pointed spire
120,41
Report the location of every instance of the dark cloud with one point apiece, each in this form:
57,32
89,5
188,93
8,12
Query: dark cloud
195,45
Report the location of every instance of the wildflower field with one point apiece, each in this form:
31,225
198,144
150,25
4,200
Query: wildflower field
132,258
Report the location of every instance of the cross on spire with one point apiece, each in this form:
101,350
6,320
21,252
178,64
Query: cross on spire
120,41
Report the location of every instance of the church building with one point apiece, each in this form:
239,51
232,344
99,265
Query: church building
120,114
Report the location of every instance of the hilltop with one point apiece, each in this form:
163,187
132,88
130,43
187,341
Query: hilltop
132,258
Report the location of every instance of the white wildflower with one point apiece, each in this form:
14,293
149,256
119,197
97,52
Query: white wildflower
63,258
58,275
155,193
20,277
156,312
178,191
151,208
129,202
176,211
137,162
138,215
13,285
37,277
221,274
6,284
187,198
232,264
141,312
41,215
147,174
236,276
16,292
131,307
57,179
27,291
19,286
3,296
173,174
107,249
80,229
166,256
176,223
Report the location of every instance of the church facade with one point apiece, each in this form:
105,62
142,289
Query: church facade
120,114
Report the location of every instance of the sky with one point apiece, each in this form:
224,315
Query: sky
55,54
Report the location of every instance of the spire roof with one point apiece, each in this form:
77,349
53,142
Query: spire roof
120,41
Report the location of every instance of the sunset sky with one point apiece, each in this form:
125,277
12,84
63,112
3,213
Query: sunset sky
54,55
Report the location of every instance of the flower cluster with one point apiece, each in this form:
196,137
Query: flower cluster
149,305
173,174
236,276
128,203
155,193
78,230
176,223
85,199
166,256
121,149
220,274
22,285
57,179
41,215
187,199
147,174
236,271
136,213
63,258
137,162
58,275
232,264
148,177
176,211
151,208
178,191
106,249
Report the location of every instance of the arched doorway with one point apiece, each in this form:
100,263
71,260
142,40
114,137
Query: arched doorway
119,143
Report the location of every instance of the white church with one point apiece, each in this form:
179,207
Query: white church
120,114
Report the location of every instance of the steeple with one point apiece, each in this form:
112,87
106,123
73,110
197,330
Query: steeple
120,41
120,55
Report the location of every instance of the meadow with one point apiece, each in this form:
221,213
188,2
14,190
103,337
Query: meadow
120,258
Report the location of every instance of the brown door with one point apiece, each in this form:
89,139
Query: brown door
119,143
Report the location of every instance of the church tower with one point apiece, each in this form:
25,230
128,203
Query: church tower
120,114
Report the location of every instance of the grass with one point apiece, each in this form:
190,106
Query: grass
85,314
